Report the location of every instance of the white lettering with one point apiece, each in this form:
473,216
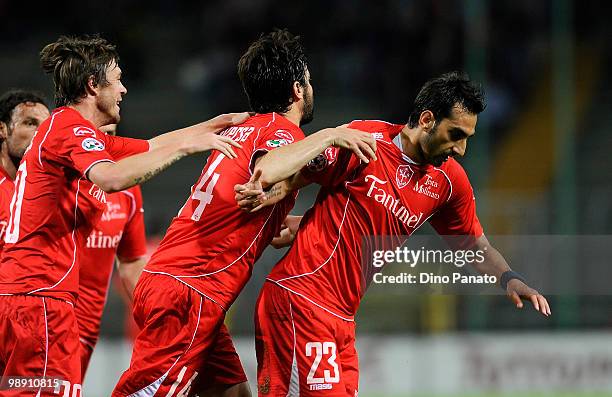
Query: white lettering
391,203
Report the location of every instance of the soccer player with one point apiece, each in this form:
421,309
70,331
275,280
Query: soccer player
21,112
305,332
60,193
120,234
207,254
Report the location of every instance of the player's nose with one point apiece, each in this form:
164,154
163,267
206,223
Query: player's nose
459,149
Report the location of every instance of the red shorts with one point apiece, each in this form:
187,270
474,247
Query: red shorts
85,355
301,348
183,344
40,338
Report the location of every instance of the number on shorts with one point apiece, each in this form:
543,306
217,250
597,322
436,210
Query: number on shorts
327,348
205,197
12,230
184,392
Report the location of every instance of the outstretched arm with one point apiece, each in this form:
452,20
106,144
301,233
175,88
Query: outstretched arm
283,162
494,264
165,150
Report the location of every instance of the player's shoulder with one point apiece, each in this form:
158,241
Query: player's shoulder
455,173
271,126
381,129
69,123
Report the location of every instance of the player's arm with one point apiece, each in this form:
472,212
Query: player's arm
283,162
457,222
164,151
129,272
251,196
516,288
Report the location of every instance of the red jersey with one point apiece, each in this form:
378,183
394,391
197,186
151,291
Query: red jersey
6,194
212,245
119,232
388,197
55,207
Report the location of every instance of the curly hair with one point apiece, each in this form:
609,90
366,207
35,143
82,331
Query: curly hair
72,61
269,68
11,99
439,95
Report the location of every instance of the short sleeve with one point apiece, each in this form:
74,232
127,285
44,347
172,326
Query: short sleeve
133,244
80,147
273,138
120,147
457,219
332,167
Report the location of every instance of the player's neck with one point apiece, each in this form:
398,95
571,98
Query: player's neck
293,115
410,144
90,112
7,163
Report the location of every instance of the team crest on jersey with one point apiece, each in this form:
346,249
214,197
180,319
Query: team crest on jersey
92,145
83,131
284,135
403,175
274,143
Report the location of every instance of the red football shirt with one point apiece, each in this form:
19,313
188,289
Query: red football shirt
6,194
55,207
119,232
212,245
388,197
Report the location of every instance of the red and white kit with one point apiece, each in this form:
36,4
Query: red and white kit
321,280
200,267
53,210
6,194
120,232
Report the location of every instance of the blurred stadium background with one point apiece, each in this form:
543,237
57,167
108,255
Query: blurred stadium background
540,163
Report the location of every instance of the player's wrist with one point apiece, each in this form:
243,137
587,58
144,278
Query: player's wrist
507,276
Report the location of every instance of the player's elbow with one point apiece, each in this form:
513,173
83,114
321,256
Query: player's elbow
107,178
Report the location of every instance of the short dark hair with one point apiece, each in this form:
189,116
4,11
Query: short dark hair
11,99
439,95
269,68
72,61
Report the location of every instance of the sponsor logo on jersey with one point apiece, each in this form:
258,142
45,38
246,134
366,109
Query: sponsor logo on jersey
403,175
391,203
97,193
113,211
83,131
426,187
284,134
92,145
97,239
277,143
378,136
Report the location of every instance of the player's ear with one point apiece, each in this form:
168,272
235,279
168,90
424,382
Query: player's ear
427,120
92,87
3,131
297,91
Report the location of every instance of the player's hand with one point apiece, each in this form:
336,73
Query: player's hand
518,290
203,136
359,142
287,233
220,143
223,121
251,197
